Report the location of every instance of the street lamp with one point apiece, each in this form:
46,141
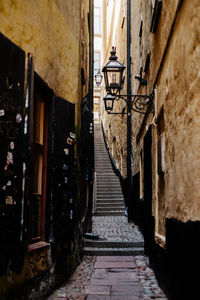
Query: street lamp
98,78
113,72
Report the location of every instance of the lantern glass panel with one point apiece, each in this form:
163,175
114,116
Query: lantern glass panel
114,79
109,105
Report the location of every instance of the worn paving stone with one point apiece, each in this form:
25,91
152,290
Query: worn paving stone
98,290
114,258
114,265
124,275
124,298
104,282
130,290
127,283
98,297
125,293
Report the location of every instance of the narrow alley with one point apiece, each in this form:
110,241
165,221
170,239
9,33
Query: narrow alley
99,150
114,265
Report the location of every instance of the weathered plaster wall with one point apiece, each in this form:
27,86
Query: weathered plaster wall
50,30
178,88
159,39
176,76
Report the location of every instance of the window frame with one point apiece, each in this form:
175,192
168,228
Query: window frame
39,146
97,17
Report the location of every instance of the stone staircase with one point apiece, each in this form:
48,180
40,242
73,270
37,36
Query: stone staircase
109,197
112,234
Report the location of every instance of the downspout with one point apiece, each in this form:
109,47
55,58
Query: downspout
91,52
91,121
129,171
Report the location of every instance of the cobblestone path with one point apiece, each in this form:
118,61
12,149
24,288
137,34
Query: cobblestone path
116,228
112,277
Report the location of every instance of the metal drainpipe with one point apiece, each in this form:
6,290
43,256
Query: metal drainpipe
129,171
91,51
91,125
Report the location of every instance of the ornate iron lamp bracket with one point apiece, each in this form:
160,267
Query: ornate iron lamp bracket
142,104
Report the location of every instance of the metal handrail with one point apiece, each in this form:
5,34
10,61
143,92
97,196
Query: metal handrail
94,193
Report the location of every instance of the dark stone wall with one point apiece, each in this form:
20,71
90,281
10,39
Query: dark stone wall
177,266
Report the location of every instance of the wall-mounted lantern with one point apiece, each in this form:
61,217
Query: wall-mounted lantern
109,102
113,72
98,78
113,75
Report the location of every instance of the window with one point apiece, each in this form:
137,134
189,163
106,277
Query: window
97,61
97,20
39,158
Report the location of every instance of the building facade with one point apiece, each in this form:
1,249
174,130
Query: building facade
98,57
44,171
165,141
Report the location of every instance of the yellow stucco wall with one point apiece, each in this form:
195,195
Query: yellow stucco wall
50,30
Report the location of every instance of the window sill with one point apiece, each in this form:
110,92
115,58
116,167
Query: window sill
38,245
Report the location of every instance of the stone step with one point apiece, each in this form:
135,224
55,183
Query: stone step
105,187
92,251
100,208
101,151
103,164
103,174
108,200
108,179
104,170
109,189
109,192
107,183
110,205
102,161
111,197
109,213
107,174
102,243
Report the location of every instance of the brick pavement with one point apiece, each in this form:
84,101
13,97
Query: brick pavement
123,278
